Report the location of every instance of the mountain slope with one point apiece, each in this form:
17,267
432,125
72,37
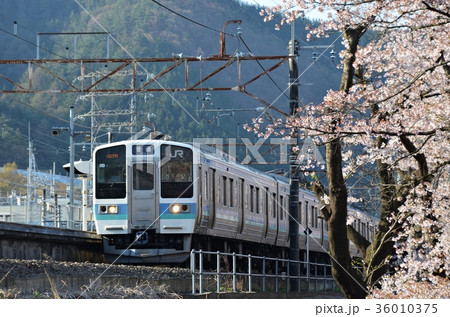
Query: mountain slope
145,29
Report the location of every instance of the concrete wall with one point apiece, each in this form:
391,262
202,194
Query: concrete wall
27,242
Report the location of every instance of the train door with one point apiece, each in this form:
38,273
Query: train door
142,194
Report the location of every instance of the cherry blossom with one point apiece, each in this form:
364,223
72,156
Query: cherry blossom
395,109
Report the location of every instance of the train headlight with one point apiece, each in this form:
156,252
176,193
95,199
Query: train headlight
178,208
112,209
175,208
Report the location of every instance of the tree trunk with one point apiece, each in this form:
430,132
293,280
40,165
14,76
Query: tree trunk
346,277
350,283
382,246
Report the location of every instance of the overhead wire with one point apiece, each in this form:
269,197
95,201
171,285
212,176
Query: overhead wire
39,132
134,59
131,56
55,43
219,31
191,20
52,53
64,57
56,54
42,111
283,92
262,67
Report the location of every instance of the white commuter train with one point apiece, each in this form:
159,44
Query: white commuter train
155,200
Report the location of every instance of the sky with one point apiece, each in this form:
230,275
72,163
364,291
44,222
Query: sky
262,2
270,3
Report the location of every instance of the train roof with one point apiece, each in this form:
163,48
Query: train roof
219,155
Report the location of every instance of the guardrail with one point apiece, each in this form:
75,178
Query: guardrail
256,273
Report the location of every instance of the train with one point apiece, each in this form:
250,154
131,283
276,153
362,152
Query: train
154,200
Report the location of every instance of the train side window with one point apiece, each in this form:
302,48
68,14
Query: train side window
300,218
266,201
274,205
257,200
232,196
286,207
316,216
213,186
241,194
206,184
306,214
224,190
252,199
245,195
282,208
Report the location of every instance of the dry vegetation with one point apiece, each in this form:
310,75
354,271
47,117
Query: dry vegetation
105,281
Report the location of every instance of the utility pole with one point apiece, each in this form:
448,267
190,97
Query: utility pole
56,131
72,169
29,176
293,172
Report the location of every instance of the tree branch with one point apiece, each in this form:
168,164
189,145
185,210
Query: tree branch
429,7
358,240
419,157
416,78
318,189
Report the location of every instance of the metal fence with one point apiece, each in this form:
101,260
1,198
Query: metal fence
246,273
48,214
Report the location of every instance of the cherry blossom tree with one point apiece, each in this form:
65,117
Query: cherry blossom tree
393,102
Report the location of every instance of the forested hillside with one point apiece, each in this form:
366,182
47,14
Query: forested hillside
142,28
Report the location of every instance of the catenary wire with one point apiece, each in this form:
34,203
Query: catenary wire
191,20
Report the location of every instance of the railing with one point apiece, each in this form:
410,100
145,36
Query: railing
50,216
256,273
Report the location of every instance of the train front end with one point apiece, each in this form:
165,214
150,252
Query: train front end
144,200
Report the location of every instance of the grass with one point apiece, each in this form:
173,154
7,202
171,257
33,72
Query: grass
142,290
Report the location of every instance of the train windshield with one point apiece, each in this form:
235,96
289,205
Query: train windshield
143,176
110,168
176,172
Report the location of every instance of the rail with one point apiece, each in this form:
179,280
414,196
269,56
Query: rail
256,273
